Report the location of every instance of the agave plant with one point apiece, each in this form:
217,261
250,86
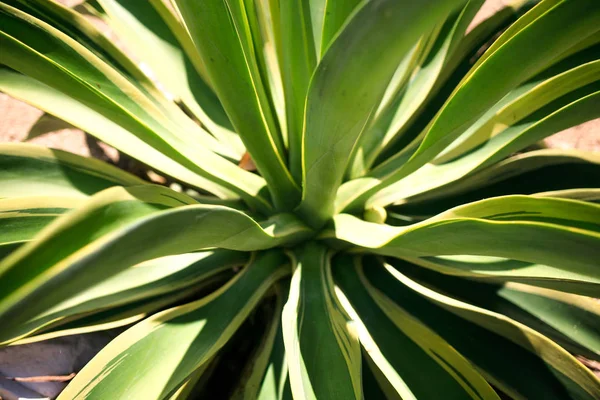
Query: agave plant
402,237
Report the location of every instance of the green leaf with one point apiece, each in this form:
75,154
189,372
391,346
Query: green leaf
221,34
163,276
562,234
426,75
80,72
567,76
400,347
152,40
263,17
321,345
555,32
591,195
189,387
160,364
298,59
553,118
87,34
265,372
568,319
527,173
56,103
22,218
128,314
28,170
336,14
347,87
458,62
67,66
552,373
512,64
96,241
317,18
501,270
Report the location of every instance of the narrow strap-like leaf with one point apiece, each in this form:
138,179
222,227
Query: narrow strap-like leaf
94,242
527,173
145,361
69,21
298,59
563,95
405,124
128,314
220,31
144,281
79,73
568,319
62,106
144,30
322,349
265,371
552,373
543,89
336,13
515,227
426,74
512,64
567,111
23,217
517,61
501,270
400,347
28,170
347,87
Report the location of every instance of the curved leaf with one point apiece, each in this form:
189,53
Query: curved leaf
146,362
571,74
96,241
69,67
426,74
468,102
534,128
265,372
321,346
347,87
401,348
570,320
22,218
162,276
553,32
562,234
551,372
298,59
220,32
28,170
142,26
527,173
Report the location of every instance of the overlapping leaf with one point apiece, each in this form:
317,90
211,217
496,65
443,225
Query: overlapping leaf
552,372
147,350
401,349
515,227
347,87
321,346
96,242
